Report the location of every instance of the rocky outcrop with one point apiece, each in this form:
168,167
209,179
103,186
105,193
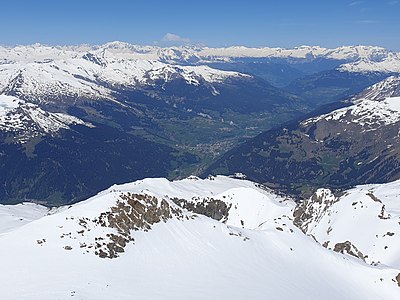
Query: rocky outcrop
132,212
311,211
210,207
348,248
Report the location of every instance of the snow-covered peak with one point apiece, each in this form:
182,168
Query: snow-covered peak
385,63
27,119
388,88
369,114
359,52
144,233
42,73
377,106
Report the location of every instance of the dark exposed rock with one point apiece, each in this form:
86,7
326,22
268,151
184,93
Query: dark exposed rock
383,215
132,212
210,207
373,197
348,248
40,242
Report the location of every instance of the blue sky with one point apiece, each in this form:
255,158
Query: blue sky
215,23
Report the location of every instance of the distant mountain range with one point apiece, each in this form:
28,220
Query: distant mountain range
70,74
372,56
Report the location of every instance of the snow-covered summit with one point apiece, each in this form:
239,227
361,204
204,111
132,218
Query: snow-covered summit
388,62
367,113
376,106
387,88
192,238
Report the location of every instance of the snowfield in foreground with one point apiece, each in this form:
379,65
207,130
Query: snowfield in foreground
218,238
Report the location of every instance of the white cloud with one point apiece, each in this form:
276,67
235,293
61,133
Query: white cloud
365,22
354,3
174,38
393,2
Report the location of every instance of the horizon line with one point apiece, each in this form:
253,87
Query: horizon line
188,45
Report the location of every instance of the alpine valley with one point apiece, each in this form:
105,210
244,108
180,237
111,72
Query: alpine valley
145,172
355,144
76,119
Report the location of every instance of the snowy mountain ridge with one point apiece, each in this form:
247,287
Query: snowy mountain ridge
377,106
127,50
388,88
357,58
60,74
28,119
131,234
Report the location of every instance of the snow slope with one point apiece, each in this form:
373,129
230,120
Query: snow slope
161,251
388,88
367,113
15,216
367,216
21,117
